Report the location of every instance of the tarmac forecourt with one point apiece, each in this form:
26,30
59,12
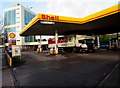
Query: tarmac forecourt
69,69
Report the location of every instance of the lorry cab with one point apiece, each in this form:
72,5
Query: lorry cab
90,44
86,44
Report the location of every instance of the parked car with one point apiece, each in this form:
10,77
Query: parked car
104,46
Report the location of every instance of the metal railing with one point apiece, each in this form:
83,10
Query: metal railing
9,59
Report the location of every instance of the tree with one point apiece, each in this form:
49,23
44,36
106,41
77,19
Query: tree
1,33
105,38
1,29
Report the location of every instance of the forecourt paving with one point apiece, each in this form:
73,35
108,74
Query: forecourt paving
75,70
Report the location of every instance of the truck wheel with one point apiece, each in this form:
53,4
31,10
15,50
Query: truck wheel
74,50
80,50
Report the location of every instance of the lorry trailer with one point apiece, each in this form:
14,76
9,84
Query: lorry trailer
74,43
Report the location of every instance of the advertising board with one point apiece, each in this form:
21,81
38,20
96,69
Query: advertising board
16,50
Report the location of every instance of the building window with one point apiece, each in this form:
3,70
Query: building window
12,29
29,38
28,17
18,17
17,8
5,18
10,17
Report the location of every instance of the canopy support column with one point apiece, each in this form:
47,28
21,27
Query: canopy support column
117,40
40,44
117,35
98,41
39,49
56,42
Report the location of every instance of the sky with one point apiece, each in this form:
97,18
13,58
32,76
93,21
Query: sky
70,8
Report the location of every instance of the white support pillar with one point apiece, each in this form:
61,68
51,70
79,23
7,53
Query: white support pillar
98,41
56,42
110,44
39,49
116,43
117,46
40,44
40,40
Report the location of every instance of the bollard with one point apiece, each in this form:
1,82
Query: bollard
38,50
55,52
51,51
9,59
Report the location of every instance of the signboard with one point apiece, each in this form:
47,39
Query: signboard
48,17
11,36
47,22
16,50
14,42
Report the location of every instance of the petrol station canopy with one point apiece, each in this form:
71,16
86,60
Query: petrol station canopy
103,22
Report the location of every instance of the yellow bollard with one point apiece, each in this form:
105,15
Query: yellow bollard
38,50
54,51
51,51
10,63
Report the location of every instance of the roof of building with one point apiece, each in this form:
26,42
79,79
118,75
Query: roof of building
97,23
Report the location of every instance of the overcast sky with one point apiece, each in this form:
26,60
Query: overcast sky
71,8
78,8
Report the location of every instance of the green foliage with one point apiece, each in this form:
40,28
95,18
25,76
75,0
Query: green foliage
105,39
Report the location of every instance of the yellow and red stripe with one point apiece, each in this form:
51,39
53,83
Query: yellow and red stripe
98,15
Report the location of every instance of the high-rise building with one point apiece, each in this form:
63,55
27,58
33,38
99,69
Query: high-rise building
15,19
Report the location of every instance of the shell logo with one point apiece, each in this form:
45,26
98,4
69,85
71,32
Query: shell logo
12,35
53,39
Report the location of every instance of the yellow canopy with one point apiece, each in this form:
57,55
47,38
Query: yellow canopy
97,23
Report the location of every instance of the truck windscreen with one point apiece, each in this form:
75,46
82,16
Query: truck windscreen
81,41
89,41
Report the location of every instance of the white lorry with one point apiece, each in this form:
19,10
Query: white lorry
74,43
